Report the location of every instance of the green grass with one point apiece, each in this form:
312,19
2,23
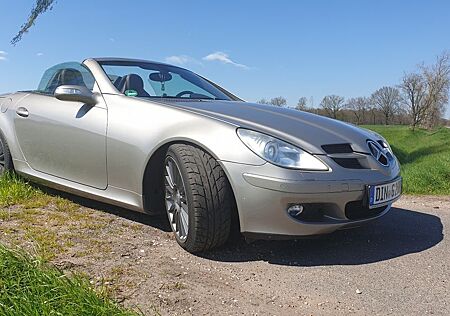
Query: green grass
30,287
423,155
14,190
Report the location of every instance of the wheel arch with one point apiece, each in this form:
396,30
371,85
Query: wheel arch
7,134
8,161
152,182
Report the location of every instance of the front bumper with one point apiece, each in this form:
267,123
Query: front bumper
263,194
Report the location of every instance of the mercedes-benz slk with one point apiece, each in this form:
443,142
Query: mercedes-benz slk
158,139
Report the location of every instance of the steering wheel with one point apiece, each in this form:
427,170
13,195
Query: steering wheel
183,93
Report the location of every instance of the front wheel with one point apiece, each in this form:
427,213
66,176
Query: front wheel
198,198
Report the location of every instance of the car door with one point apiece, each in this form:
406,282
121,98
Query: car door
65,139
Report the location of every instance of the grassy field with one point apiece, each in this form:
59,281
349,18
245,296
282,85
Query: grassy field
423,155
29,287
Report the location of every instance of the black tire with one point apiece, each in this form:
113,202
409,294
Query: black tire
6,164
209,197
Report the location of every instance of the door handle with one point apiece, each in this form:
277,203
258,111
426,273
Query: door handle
23,112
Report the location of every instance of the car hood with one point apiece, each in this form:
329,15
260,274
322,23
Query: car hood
307,130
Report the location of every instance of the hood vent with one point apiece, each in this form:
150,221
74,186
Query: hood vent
337,148
349,163
342,155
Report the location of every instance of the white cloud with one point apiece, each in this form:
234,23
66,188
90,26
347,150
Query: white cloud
3,55
182,60
40,54
179,60
224,58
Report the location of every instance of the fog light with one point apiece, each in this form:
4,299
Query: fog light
295,210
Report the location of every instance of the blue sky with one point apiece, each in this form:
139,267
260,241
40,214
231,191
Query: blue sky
254,48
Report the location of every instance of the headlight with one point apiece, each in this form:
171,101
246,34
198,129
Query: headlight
279,152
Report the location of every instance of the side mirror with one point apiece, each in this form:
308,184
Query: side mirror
75,94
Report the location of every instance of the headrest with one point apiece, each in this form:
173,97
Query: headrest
70,76
132,81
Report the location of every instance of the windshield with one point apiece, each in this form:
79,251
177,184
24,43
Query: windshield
153,80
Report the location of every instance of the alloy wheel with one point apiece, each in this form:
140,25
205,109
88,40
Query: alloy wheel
176,200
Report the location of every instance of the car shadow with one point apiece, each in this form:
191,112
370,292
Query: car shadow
157,221
398,233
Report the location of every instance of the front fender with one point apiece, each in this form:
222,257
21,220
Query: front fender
138,128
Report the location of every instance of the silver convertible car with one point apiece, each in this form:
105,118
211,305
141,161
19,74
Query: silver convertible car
156,138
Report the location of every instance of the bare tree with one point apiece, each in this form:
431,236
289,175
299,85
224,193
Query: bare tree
437,79
386,99
359,106
311,102
425,94
302,104
263,101
278,101
414,91
373,112
332,104
40,7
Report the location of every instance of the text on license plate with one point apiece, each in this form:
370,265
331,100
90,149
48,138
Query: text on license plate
379,194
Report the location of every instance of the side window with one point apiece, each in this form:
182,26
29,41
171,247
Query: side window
71,73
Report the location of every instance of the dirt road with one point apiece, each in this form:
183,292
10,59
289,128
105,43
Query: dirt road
398,265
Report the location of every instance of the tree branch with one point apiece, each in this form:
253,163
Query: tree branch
40,7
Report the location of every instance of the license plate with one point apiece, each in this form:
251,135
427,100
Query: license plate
384,193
